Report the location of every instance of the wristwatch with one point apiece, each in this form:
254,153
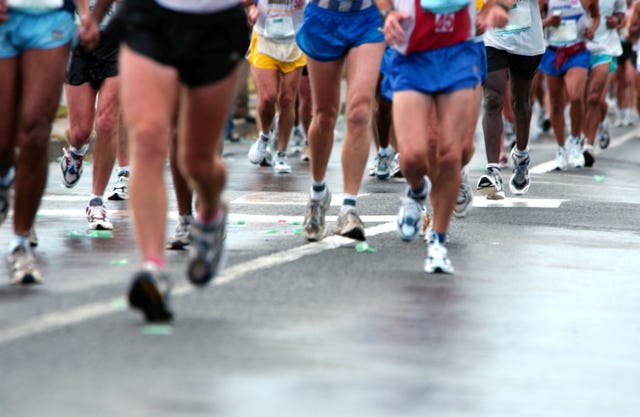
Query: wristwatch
384,13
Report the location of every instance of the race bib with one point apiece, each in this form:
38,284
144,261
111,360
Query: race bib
567,32
519,18
280,27
284,52
443,6
36,4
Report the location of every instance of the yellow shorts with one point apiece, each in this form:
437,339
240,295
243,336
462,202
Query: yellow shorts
263,61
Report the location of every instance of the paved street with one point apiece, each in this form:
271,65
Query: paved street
540,319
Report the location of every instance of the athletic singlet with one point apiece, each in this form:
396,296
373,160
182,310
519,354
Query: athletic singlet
40,6
279,20
523,34
198,6
426,30
574,21
605,40
344,5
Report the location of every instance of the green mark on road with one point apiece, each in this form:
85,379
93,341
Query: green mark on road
157,330
100,234
119,262
363,247
599,178
119,304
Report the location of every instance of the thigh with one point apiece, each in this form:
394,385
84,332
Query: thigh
363,71
266,81
324,79
8,103
411,123
456,112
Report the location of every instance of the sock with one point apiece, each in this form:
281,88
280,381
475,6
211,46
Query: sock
185,218
441,237
154,263
265,137
123,170
214,220
79,152
420,192
588,148
318,190
348,202
494,166
384,151
94,196
19,240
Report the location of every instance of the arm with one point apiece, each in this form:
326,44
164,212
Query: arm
101,8
392,22
594,12
88,29
548,19
4,8
633,24
494,13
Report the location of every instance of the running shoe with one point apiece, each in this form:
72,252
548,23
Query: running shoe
22,265
349,225
259,153
574,149
411,212
604,134
374,167
562,159
4,202
206,251
383,170
314,227
280,165
490,184
304,156
298,139
395,166
150,292
181,238
121,189
437,257
71,166
520,180
97,215
464,202
33,238
589,159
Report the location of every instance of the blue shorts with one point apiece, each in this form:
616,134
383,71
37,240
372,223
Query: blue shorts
579,60
327,35
604,59
482,61
35,31
439,71
385,83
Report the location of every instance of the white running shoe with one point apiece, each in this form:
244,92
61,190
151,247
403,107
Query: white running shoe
464,202
97,216
490,184
121,189
437,257
259,153
280,165
411,212
574,148
71,166
562,159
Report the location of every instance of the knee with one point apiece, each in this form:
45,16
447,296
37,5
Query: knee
267,99
106,125
325,119
593,100
493,101
33,136
287,101
149,144
358,117
449,160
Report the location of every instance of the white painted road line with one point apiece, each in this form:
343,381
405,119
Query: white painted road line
83,313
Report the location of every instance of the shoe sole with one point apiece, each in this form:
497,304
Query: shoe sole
438,270
177,246
491,193
101,226
356,233
116,197
144,296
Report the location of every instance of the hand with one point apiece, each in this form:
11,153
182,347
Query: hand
252,15
393,31
554,20
496,16
88,32
588,33
612,22
4,8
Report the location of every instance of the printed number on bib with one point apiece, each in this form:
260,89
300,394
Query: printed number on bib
567,32
280,27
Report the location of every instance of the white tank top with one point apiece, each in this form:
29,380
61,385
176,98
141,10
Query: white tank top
198,6
574,21
523,35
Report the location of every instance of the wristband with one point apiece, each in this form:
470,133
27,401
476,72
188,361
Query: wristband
503,5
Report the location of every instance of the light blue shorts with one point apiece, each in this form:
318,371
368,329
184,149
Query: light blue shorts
439,71
327,35
604,59
24,31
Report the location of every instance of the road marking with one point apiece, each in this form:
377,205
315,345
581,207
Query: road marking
551,165
76,315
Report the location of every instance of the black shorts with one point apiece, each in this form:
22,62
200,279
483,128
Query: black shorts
627,53
521,67
95,66
203,48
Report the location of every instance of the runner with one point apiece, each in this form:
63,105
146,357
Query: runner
442,34
565,64
188,55
513,55
605,48
276,67
334,34
35,39
90,76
